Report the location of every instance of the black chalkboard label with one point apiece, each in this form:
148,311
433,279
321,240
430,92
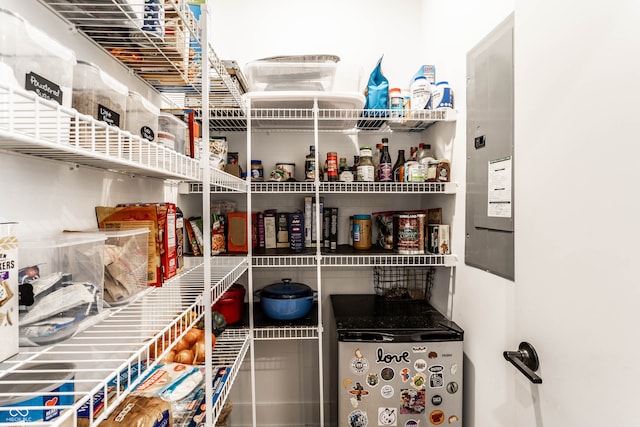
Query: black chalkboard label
147,133
109,116
43,87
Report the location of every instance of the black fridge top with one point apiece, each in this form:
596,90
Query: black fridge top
369,312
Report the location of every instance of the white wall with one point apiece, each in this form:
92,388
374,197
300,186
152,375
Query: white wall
482,303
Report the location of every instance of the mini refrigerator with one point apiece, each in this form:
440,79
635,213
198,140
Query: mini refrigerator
399,363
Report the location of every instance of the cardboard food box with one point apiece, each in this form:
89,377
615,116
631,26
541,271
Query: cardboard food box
126,218
8,290
237,237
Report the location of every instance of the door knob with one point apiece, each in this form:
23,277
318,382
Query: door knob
526,360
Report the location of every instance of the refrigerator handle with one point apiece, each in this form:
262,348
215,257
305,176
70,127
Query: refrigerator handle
366,337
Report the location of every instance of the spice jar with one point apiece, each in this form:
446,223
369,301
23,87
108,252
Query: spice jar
361,232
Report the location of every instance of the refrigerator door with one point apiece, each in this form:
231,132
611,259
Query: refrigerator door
407,384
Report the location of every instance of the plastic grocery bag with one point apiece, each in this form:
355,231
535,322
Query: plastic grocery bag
377,95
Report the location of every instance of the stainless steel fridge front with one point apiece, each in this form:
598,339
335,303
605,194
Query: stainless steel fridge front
399,363
391,380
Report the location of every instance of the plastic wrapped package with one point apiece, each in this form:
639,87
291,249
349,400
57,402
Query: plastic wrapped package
61,282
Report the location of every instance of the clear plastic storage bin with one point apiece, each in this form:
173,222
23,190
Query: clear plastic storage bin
142,117
125,264
97,94
40,63
61,282
292,73
173,132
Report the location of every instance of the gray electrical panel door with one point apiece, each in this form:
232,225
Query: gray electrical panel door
489,189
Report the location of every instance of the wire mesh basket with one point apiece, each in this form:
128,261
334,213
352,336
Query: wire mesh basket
403,282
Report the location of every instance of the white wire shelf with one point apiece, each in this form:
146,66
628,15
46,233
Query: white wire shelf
37,127
346,256
235,120
305,187
106,357
34,126
286,333
166,52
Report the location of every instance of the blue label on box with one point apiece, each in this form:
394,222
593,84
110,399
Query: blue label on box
20,412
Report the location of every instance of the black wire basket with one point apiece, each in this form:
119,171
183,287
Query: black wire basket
403,282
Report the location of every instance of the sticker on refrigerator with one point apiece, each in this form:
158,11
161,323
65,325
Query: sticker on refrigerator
387,374
420,365
454,369
387,391
452,387
358,418
405,374
433,355
412,401
419,349
436,417
436,380
387,417
359,365
358,391
419,381
411,423
372,380
453,418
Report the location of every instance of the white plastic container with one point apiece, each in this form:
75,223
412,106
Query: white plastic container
420,93
61,280
142,117
172,132
39,63
99,95
292,73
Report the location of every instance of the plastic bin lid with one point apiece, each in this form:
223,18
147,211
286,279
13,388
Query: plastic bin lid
60,240
40,42
146,104
173,119
114,84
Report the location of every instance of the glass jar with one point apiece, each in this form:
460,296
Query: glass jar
366,170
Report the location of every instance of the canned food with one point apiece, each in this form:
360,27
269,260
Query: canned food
288,170
408,231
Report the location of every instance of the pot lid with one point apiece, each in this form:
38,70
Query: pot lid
286,290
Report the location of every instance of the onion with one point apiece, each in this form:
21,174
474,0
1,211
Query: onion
198,352
184,356
170,357
192,336
182,344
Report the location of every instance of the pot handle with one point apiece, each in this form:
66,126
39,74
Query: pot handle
257,293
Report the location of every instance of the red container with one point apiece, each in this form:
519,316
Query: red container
231,304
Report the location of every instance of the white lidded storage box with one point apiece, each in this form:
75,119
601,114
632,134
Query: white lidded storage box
142,117
173,132
292,73
61,281
99,95
40,63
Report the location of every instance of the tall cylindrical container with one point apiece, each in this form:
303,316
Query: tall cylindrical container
420,93
362,232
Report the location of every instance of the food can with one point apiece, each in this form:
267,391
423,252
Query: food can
288,170
332,166
362,232
408,231
49,385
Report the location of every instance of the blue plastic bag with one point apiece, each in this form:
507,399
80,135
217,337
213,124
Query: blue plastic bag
377,96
